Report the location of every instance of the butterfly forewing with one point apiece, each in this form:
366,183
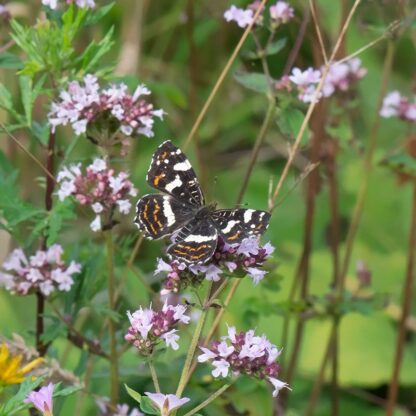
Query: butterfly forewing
236,224
171,172
196,242
158,215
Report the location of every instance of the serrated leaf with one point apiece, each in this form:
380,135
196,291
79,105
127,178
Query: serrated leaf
133,394
61,211
10,61
272,49
15,404
96,16
95,51
253,81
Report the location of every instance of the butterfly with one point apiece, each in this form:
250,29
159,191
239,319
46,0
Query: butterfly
181,212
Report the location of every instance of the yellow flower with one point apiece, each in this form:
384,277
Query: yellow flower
11,371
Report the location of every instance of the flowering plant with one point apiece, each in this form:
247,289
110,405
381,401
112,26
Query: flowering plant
100,188
45,272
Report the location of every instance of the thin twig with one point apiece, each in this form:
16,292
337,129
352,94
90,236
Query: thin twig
223,75
207,401
311,108
406,311
111,323
318,30
154,375
34,158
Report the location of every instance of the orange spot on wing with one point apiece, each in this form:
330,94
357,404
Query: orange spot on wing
234,236
157,179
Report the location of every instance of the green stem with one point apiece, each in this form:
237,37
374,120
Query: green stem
191,352
154,375
111,323
209,400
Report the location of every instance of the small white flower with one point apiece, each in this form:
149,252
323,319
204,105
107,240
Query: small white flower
80,127
97,207
224,350
98,165
281,12
66,189
96,224
124,206
141,90
278,385
221,368
34,275
127,130
242,17
206,356
166,402
53,4
46,287
171,339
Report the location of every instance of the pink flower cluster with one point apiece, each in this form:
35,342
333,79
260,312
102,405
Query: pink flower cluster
148,327
246,258
99,187
89,109
244,353
84,4
397,105
43,272
281,12
340,78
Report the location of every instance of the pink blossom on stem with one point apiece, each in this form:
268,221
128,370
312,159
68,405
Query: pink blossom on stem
83,4
100,187
166,403
42,399
244,353
396,105
148,327
246,258
45,271
243,17
106,115
281,12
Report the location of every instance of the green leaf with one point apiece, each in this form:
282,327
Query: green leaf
6,100
96,16
67,391
15,404
61,211
95,51
133,394
10,61
26,85
289,122
272,49
253,81
147,406
401,162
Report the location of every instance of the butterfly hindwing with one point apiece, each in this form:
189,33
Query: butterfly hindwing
195,242
159,215
236,224
171,172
